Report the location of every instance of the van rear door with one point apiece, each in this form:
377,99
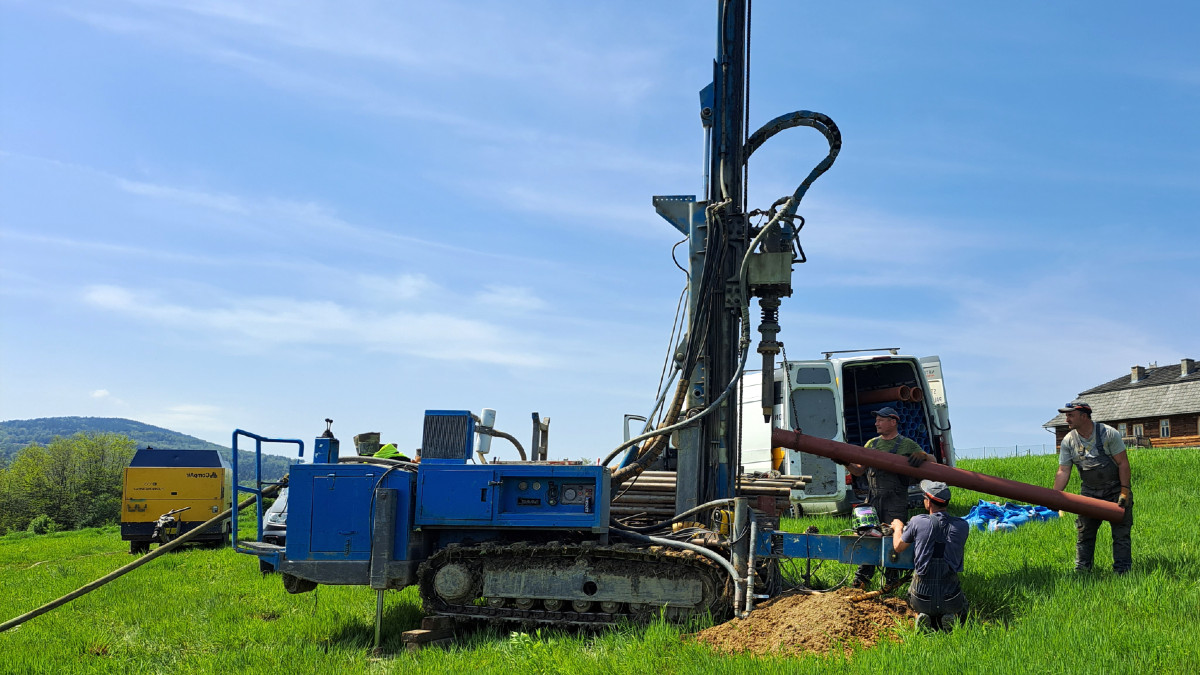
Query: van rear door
814,408
931,366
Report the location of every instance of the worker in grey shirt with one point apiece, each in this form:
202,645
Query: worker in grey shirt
1099,452
938,540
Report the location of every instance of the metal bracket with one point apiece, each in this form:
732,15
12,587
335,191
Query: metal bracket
708,100
683,212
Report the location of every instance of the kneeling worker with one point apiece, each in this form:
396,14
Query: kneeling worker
939,538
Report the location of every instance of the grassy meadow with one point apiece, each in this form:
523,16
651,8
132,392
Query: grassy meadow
211,611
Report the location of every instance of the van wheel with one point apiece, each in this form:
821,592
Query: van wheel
265,567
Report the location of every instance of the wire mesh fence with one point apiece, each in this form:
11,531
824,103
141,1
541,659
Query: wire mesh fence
995,451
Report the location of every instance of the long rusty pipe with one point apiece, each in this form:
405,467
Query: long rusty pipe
980,482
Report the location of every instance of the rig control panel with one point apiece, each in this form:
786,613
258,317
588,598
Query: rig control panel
542,496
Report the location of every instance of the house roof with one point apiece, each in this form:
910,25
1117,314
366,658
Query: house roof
1161,392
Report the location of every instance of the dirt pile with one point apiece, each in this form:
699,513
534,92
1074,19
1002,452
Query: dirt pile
798,624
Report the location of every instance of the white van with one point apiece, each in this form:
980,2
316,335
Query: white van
834,398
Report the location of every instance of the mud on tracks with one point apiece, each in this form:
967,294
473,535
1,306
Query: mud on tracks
801,624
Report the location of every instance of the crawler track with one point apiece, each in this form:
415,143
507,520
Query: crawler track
635,565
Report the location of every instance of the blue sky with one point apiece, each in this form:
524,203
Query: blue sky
217,214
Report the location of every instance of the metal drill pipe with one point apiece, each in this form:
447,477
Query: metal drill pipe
980,482
901,393
774,482
640,510
645,499
748,489
649,477
672,475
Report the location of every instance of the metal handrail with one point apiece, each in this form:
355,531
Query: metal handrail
257,490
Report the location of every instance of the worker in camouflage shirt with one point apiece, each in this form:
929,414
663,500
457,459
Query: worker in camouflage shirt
887,492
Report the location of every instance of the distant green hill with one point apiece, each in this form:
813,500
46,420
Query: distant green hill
17,434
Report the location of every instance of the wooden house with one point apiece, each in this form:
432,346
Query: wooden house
1156,406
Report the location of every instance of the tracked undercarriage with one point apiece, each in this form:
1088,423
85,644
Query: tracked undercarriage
579,584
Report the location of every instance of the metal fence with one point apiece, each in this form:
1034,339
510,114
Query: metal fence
996,451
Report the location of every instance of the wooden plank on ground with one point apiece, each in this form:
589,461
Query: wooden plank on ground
418,646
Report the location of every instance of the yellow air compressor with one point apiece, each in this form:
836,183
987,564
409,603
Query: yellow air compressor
159,481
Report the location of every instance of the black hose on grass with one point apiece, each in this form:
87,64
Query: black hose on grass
84,590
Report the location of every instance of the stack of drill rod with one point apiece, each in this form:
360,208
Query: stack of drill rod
652,494
860,423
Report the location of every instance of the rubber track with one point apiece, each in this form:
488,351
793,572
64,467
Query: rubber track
718,590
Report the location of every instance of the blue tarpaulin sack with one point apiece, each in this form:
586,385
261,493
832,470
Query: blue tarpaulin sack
994,517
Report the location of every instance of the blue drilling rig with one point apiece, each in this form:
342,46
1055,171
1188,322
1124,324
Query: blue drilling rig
534,542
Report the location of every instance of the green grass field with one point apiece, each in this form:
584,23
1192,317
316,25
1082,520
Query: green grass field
211,611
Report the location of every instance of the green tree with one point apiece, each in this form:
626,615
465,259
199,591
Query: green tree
74,481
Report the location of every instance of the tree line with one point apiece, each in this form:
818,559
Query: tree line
15,435
69,483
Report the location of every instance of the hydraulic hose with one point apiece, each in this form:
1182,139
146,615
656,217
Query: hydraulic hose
707,553
632,455
677,518
380,461
500,434
672,413
170,546
805,118
638,466
829,129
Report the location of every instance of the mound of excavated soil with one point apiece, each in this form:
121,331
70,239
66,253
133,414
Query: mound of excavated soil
796,624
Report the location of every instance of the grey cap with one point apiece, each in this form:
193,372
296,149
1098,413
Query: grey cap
887,412
936,490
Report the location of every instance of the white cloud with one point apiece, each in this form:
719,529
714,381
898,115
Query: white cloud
139,252
867,237
513,298
504,42
398,288
194,418
287,219
212,201
106,399
266,322
317,51
571,211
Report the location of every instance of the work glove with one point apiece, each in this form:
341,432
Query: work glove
918,458
1126,499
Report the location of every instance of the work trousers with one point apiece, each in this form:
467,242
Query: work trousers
937,594
1086,528
890,505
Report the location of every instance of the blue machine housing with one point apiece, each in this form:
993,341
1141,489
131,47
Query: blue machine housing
350,524
513,496
330,511
367,524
